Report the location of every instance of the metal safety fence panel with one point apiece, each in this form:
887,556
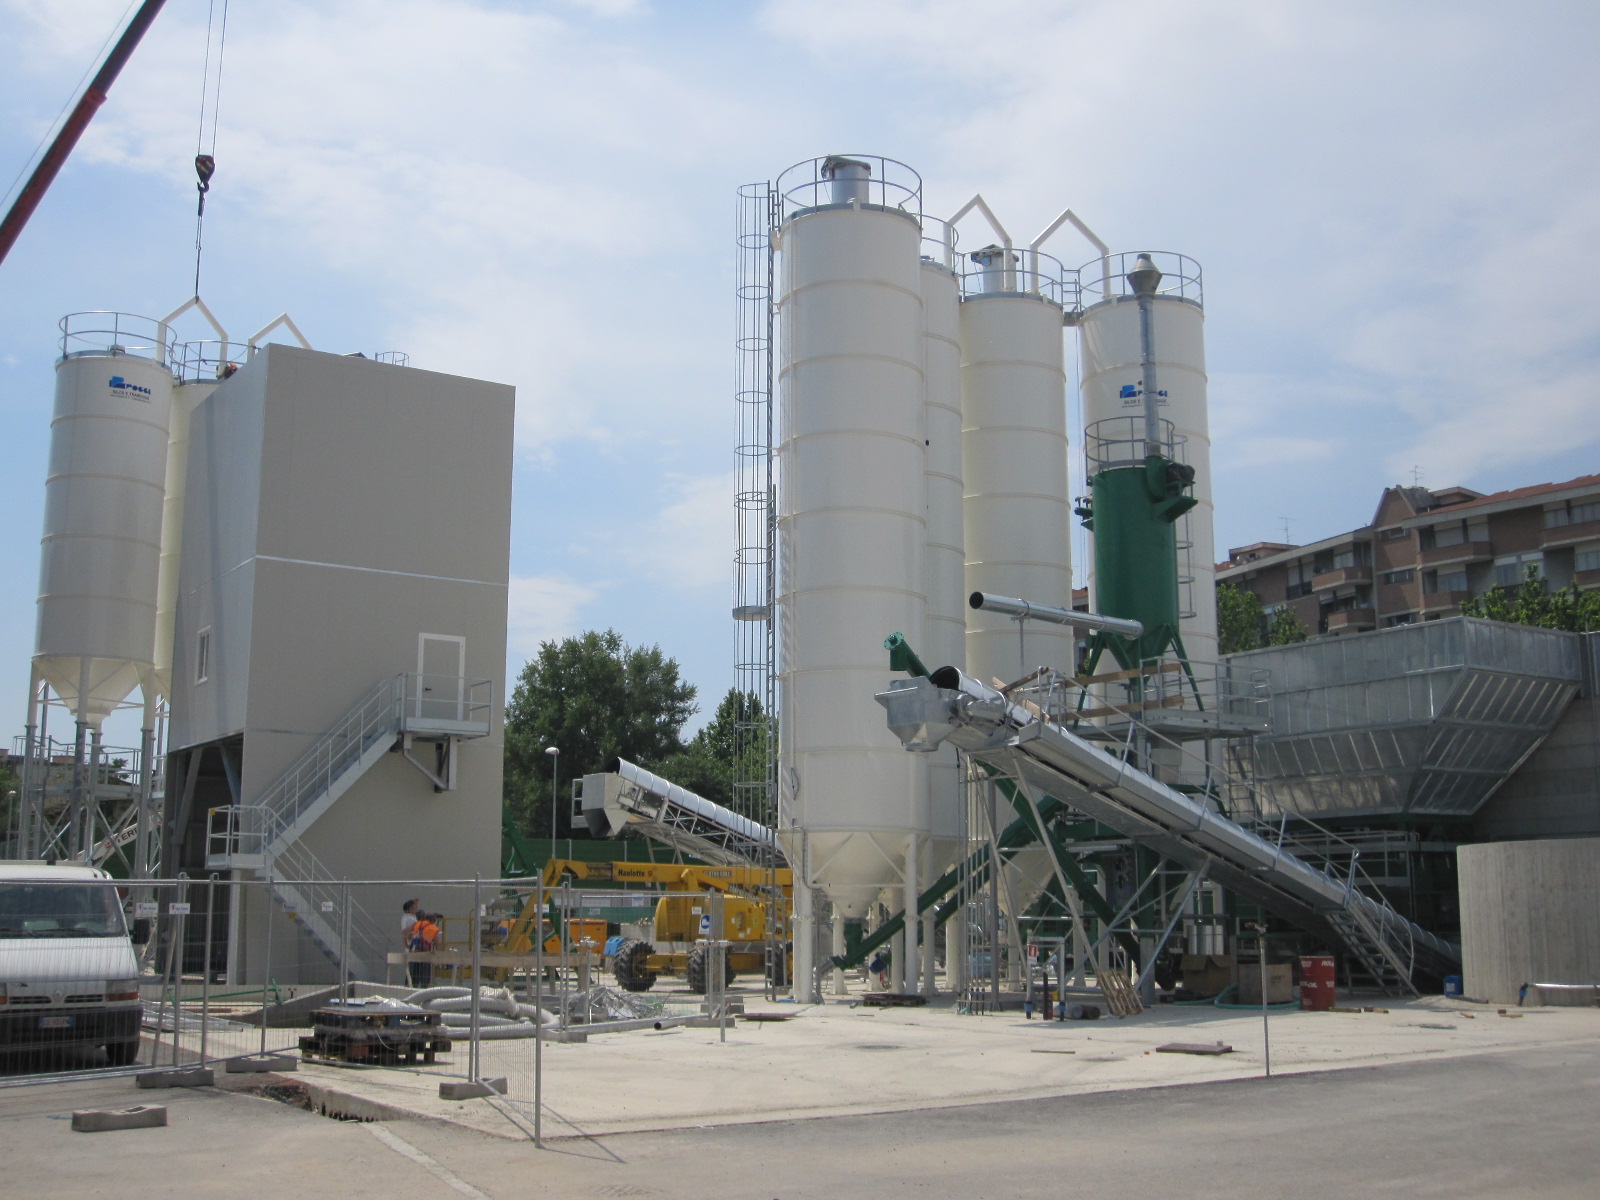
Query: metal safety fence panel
475,982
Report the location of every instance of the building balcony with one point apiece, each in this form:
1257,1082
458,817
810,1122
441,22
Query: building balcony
1351,620
1327,580
1437,601
1461,552
1586,579
1570,535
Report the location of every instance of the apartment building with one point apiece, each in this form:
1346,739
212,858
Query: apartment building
1424,553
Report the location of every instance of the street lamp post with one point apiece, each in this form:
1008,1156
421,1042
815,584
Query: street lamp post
555,765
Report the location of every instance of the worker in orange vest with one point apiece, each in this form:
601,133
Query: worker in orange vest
424,938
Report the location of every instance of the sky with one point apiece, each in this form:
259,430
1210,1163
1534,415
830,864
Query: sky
1394,205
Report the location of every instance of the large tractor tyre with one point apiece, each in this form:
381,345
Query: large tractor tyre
698,969
631,966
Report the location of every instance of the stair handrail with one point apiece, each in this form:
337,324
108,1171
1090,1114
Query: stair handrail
294,863
304,868
378,712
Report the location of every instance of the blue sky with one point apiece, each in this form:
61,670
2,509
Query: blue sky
1394,205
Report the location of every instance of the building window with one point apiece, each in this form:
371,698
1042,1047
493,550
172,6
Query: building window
1395,534
1394,619
1452,534
1404,576
1511,569
202,656
1338,560
1572,514
1300,575
1586,560
1434,582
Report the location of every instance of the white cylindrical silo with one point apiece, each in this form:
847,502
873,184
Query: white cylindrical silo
1018,514
851,526
186,397
944,560
1108,334
101,550
200,367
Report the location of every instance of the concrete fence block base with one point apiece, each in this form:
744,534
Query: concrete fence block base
186,1077
98,1120
249,1064
465,1089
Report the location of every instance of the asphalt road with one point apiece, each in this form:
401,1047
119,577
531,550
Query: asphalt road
1504,1124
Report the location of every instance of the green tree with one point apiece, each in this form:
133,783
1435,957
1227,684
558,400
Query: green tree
1239,619
594,698
1532,603
1286,629
730,749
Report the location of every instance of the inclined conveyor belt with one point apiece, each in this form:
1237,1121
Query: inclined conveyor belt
949,706
643,802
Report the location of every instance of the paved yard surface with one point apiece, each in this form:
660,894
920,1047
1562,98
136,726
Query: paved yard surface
1429,1098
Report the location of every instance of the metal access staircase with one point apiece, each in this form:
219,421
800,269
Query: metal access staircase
264,837
1049,760
247,836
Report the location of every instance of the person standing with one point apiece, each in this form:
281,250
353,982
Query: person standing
424,939
408,924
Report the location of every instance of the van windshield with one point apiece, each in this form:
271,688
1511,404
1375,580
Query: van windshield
45,909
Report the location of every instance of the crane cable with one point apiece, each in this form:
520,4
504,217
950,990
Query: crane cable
205,162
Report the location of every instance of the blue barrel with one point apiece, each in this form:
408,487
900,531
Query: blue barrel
1452,985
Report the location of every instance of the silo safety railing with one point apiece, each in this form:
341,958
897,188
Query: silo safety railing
203,361
1106,278
822,182
1119,442
1011,272
102,333
939,241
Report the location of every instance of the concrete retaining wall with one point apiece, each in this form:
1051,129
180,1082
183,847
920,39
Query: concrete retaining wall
1530,913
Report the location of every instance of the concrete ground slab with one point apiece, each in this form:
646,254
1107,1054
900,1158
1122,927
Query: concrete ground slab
835,1060
1516,1122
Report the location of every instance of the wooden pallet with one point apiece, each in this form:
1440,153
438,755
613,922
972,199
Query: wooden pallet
1121,999
892,1000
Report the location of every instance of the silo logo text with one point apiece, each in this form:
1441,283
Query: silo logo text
121,387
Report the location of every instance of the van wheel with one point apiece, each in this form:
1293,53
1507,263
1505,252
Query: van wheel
122,1054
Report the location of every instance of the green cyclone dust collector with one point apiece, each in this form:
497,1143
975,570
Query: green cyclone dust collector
1137,491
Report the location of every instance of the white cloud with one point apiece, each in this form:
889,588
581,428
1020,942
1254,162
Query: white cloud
689,543
609,8
1392,203
542,608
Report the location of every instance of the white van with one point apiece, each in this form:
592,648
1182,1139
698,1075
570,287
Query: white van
68,973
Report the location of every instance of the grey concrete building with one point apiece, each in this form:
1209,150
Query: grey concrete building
340,646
